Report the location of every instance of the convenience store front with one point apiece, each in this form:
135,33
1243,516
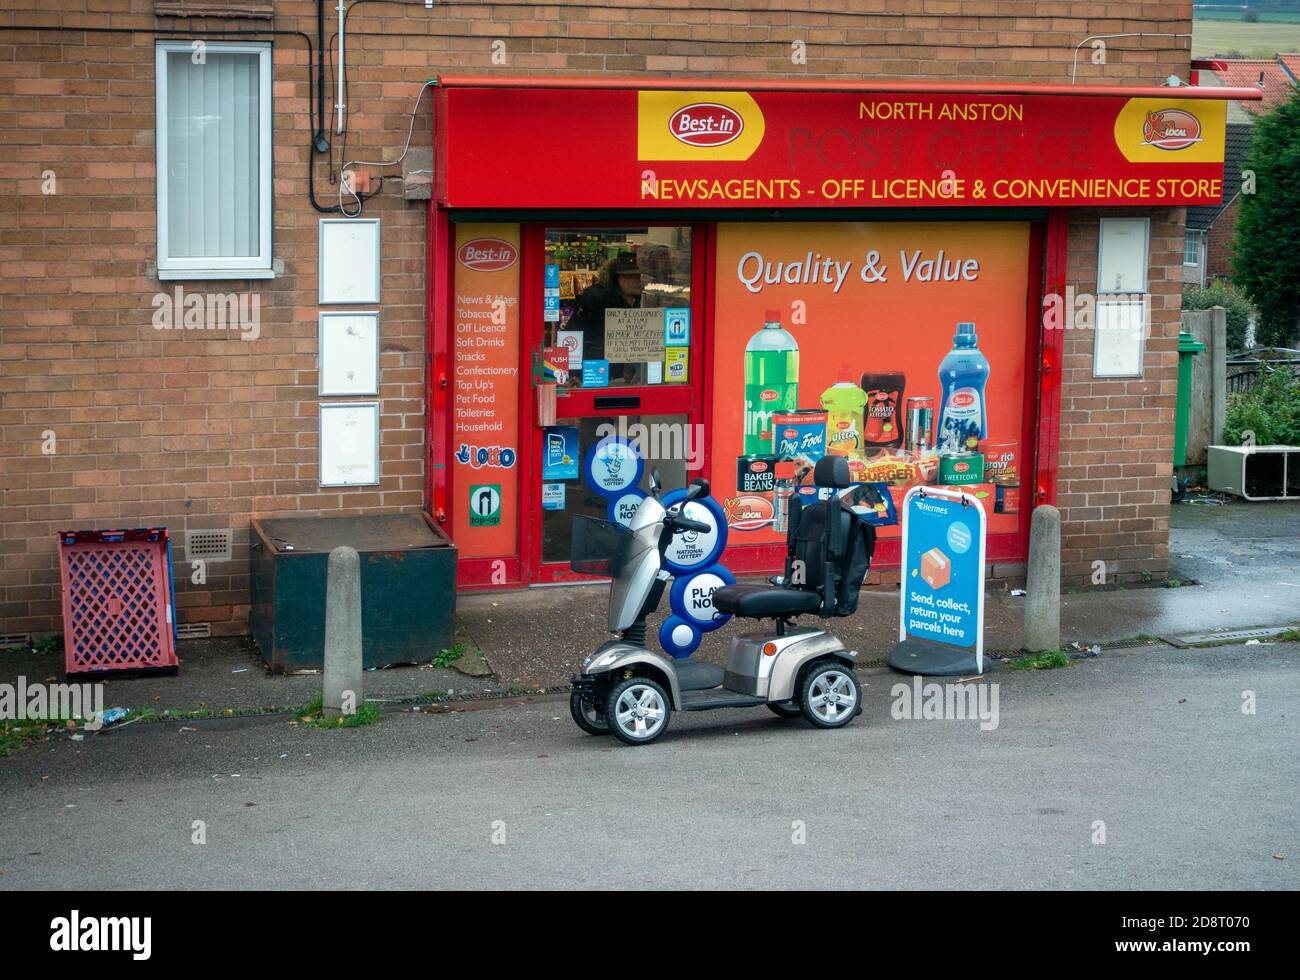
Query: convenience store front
740,277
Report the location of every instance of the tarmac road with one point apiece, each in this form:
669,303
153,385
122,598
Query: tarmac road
1193,793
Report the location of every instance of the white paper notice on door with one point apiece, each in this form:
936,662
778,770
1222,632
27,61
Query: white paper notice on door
633,335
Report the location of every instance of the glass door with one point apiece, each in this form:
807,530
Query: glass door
618,333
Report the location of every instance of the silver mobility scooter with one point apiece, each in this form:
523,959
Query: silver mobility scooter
630,690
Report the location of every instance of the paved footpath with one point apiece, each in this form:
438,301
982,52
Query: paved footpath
1193,793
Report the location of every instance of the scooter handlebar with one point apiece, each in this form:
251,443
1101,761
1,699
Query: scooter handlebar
686,524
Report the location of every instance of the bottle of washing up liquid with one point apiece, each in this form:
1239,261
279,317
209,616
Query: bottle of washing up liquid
771,381
963,414
844,402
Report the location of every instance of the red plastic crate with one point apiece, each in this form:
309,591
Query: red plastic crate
118,601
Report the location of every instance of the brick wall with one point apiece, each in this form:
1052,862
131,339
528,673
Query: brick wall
1117,435
1219,243
198,432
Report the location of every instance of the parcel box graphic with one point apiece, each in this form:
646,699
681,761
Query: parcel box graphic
935,568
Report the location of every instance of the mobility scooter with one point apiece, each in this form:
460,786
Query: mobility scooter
629,690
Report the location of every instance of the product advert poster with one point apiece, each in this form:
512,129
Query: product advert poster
898,345
485,393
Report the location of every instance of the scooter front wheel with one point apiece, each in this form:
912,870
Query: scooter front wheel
829,695
587,714
637,711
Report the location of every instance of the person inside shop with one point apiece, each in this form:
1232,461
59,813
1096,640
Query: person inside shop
618,284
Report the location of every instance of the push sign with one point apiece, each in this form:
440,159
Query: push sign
941,601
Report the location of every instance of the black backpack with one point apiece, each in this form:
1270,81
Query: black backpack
832,544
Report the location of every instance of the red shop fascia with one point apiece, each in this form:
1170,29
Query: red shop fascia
870,217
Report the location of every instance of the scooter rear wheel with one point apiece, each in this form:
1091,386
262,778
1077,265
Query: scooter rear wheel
786,709
829,695
587,715
638,710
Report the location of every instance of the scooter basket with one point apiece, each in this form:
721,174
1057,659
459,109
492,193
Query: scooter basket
598,547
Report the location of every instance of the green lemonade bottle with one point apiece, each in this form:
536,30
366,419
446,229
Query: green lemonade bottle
771,381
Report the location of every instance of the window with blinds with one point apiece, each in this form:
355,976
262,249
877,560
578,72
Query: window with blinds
214,159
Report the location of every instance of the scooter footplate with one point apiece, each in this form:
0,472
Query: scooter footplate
718,697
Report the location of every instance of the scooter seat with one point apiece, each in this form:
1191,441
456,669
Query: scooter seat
759,601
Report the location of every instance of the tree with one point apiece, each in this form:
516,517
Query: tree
1267,253
1220,293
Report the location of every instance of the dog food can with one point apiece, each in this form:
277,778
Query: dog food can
799,435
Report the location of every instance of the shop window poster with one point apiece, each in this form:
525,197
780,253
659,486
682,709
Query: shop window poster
898,345
677,326
676,362
595,374
560,460
552,496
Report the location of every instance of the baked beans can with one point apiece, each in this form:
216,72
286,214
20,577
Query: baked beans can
756,474
920,424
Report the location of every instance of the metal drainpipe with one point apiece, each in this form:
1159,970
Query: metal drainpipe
339,104
320,143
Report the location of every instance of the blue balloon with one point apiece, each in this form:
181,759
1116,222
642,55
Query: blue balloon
683,556
613,517
678,637
694,608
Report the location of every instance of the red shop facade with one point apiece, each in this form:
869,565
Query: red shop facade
740,277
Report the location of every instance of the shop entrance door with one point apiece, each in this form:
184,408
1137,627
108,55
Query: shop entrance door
615,312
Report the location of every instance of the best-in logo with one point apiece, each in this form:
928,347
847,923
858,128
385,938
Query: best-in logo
1171,129
487,255
769,395
963,399
706,124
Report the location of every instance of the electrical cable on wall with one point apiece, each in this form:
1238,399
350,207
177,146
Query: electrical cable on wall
343,188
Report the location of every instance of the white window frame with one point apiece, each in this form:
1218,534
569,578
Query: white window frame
258,266
1198,236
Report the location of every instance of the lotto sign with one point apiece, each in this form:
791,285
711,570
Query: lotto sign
942,596
612,466
485,505
623,508
691,551
691,597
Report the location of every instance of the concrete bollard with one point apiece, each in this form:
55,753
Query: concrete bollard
343,672
1043,585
